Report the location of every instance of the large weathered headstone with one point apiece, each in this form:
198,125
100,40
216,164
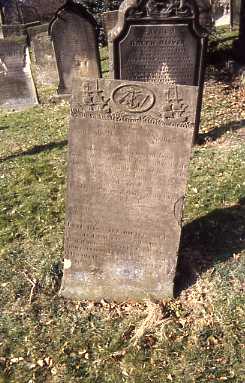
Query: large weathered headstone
74,37
159,42
16,82
43,55
129,150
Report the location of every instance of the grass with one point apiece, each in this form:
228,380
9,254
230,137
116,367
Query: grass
196,337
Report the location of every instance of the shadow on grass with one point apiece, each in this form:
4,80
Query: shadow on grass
36,150
209,240
3,128
218,132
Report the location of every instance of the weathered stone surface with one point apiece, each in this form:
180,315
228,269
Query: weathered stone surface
74,37
43,55
129,150
109,20
16,82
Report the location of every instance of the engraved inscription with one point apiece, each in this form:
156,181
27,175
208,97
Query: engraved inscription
158,53
126,183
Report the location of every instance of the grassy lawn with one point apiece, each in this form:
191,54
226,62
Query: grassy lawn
196,337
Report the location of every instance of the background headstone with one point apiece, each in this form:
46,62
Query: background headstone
74,37
16,82
129,150
159,43
43,55
109,20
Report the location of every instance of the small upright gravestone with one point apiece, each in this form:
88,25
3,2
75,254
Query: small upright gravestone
109,20
74,36
159,42
16,83
129,150
43,55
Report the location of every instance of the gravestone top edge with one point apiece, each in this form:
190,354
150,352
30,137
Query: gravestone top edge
76,8
134,11
32,31
81,86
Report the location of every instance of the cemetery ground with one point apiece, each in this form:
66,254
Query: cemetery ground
195,337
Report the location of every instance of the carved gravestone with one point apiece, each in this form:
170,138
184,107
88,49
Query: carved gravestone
43,55
16,82
129,151
109,20
159,42
74,37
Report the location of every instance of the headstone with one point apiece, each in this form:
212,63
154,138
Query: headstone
11,13
43,55
16,82
129,151
159,42
74,37
109,20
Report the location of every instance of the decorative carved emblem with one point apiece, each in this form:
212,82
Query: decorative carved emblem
133,98
175,109
93,99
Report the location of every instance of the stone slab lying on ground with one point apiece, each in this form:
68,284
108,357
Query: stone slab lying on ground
129,150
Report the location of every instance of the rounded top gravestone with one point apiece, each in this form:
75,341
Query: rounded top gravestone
74,35
158,41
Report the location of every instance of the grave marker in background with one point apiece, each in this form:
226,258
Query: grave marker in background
129,151
73,32
109,20
43,55
16,83
159,42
